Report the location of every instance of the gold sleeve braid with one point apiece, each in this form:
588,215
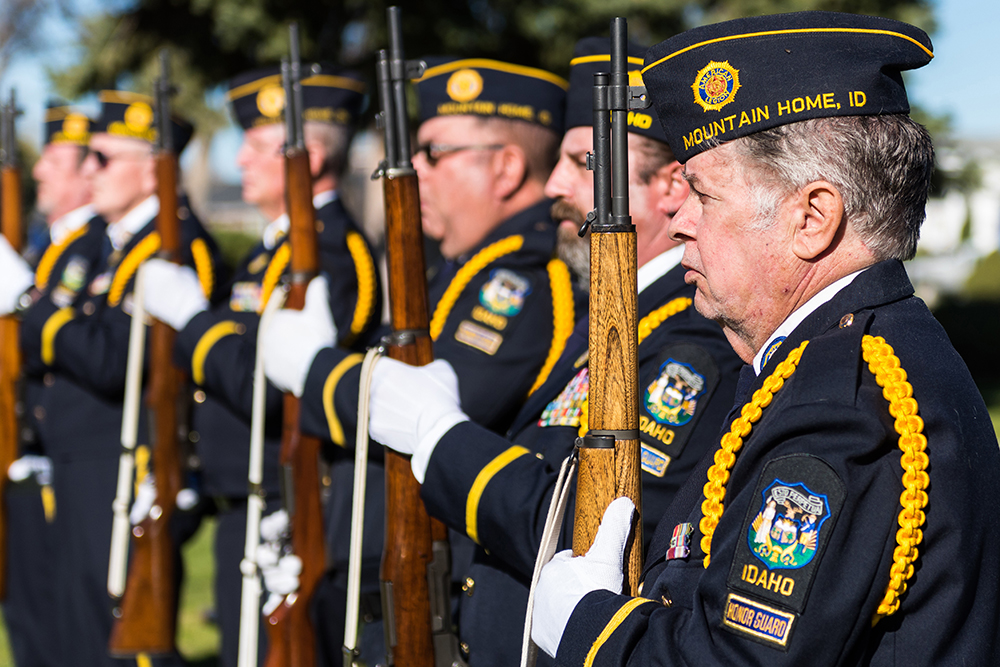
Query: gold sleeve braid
51,255
563,318
204,266
143,250
479,261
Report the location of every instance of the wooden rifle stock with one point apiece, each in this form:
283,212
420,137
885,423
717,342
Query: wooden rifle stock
10,350
147,618
610,456
290,632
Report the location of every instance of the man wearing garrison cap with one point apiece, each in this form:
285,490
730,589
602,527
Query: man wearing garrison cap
217,343
841,519
472,466
502,306
75,335
74,235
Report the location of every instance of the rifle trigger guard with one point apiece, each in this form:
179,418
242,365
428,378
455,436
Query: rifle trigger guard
402,338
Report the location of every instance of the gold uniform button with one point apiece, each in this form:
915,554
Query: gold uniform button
39,413
847,320
194,436
464,648
89,308
199,396
469,586
49,379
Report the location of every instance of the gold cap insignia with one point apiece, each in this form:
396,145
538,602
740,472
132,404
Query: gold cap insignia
465,85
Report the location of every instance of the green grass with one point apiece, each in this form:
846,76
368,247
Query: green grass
197,638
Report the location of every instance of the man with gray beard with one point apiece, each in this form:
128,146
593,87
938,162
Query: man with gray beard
483,484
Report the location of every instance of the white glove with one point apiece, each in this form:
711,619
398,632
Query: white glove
294,337
145,498
173,293
28,465
16,277
412,407
274,527
280,574
565,580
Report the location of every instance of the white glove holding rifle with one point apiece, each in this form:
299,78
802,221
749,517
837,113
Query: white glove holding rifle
279,572
412,407
173,293
295,337
566,579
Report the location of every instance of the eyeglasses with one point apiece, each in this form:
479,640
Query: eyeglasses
435,152
103,159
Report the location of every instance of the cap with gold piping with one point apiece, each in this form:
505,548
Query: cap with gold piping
64,125
126,114
731,79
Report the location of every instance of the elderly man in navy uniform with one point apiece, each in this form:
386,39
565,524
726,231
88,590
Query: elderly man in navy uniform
502,305
75,335
491,488
841,518
217,343
63,269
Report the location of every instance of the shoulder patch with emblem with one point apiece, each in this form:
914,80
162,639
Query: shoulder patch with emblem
683,378
795,508
505,292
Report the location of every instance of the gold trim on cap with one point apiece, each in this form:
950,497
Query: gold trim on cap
333,81
485,63
602,58
768,33
122,97
253,86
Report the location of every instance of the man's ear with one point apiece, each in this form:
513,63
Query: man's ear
817,211
511,170
671,188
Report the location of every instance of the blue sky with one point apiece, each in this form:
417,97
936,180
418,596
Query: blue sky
963,80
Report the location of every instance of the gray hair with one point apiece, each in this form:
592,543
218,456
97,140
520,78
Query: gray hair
880,164
334,140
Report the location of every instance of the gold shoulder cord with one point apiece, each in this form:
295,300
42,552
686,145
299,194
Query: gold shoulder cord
884,364
273,274
479,261
563,318
52,255
647,326
143,250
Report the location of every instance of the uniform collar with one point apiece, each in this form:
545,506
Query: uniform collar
321,199
66,224
121,232
657,267
796,318
278,228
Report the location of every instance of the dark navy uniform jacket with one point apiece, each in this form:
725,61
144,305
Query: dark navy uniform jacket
81,347
498,490
218,348
63,273
800,584
497,335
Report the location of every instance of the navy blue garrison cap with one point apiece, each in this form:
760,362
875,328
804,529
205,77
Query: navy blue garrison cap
329,95
491,89
590,56
735,78
63,125
126,114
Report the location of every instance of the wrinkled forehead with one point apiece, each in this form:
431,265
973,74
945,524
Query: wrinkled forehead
101,141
